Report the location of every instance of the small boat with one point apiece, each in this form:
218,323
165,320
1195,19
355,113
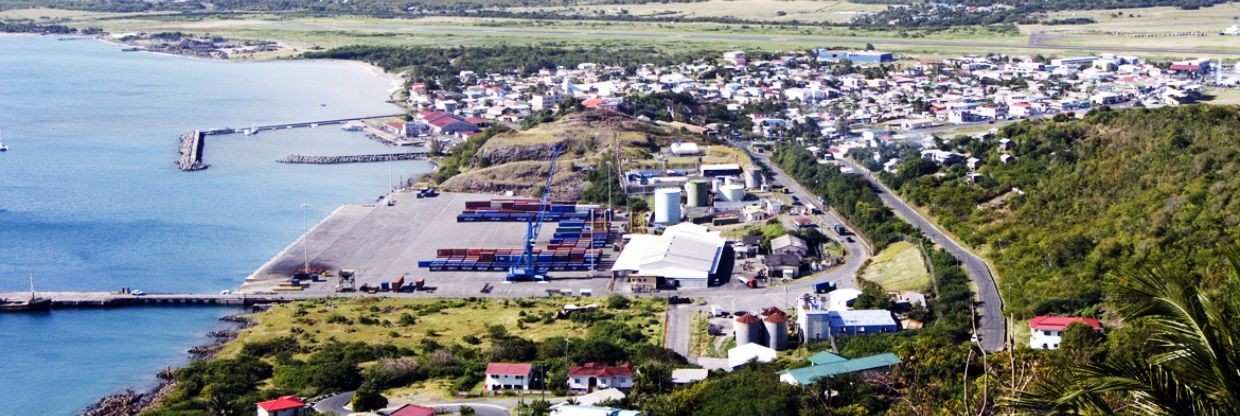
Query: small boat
3,148
31,304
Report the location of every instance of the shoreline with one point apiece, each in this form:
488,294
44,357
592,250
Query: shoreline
132,402
134,399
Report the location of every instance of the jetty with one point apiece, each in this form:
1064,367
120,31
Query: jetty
333,160
300,124
63,300
192,146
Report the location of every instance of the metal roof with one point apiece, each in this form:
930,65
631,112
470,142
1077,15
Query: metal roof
683,251
807,375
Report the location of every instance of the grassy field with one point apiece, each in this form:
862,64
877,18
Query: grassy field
834,11
898,267
447,321
1134,27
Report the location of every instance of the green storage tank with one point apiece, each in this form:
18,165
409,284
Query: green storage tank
697,193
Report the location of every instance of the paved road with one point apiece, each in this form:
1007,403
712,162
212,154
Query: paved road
783,295
992,325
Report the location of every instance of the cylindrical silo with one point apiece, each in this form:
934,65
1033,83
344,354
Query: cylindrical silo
732,193
776,324
748,328
667,206
696,193
752,181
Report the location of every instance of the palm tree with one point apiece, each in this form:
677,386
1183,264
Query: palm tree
1193,369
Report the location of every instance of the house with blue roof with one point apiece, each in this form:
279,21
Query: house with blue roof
828,365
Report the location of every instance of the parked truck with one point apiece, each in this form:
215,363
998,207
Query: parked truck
824,287
398,283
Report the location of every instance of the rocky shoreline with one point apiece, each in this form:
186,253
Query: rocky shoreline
131,403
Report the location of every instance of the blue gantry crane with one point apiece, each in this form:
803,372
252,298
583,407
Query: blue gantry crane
528,267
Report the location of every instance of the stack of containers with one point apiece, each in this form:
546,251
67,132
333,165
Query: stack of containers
521,210
499,259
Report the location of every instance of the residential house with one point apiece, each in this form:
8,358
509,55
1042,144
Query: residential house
508,376
1046,332
591,376
789,244
413,410
282,406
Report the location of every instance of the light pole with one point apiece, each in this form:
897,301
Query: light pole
305,240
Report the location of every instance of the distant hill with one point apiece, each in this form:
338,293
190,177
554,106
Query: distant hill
1103,197
517,160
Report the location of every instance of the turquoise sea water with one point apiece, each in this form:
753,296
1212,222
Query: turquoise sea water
90,199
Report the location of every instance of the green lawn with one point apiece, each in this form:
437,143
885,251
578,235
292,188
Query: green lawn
898,267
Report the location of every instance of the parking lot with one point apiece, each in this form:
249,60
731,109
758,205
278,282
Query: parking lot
381,242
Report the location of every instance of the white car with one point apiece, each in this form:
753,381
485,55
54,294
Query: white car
137,293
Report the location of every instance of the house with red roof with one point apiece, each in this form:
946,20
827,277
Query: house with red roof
282,406
508,376
1046,332
447,124
413,410
591,376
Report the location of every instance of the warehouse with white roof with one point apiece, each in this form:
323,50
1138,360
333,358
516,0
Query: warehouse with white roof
685,255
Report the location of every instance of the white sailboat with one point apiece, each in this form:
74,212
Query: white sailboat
3,147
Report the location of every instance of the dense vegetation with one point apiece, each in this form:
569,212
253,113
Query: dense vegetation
300,363
965,12
443,65
850,195
27,27
1098,198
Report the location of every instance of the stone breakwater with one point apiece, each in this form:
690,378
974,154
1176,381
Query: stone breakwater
332,160
193,144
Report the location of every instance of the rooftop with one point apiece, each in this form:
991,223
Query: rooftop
282,403
683,251
1059,323
807,375
509,369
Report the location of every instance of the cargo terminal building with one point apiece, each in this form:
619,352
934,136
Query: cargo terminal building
685,256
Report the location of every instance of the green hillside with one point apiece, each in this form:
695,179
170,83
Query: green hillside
1102,196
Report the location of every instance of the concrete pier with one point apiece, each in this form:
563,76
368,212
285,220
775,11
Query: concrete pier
61,300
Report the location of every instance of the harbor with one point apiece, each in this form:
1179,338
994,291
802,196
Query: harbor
192,145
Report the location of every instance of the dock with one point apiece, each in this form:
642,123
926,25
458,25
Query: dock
300,124
193,144
65,300
191,150
333,160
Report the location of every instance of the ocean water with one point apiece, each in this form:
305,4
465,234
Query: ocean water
90,198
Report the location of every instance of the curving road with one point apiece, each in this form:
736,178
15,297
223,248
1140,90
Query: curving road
992,325
335,404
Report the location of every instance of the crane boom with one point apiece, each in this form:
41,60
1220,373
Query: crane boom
527,267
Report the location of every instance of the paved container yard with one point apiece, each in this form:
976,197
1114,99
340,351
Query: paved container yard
382,242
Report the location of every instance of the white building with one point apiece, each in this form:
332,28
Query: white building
282,406
685,255
508,376
593,376
750,353
1046,332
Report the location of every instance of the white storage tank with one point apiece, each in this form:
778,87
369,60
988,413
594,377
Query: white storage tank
776,324
667,206
732,193
752,179
748,328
